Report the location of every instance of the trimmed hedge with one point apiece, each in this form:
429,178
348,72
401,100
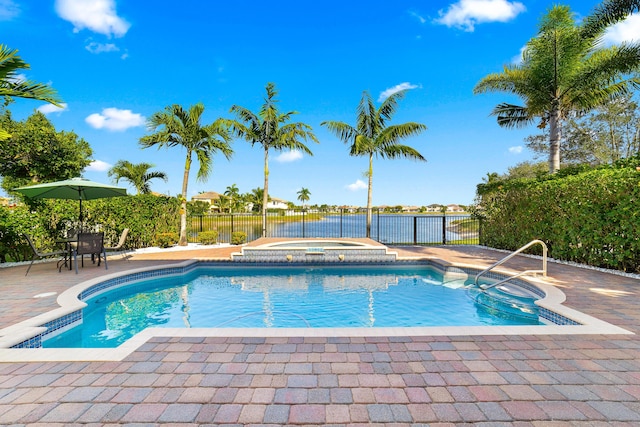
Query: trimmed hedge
208,237
591,218
146,216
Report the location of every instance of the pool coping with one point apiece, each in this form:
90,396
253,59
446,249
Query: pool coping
69,303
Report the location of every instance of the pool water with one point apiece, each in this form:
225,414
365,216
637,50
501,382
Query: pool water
291,297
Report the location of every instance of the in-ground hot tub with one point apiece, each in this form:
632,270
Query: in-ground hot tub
316,251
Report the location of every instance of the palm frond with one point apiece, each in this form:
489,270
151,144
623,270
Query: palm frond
344,132
366,119
389,106
512,116
607,13
398,151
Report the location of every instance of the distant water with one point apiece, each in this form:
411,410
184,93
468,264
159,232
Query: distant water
384,228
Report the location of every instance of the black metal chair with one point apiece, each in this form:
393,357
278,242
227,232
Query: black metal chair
90,244
39,255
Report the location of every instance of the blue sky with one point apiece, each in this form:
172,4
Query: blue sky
116,62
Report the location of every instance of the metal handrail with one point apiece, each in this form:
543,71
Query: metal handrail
508,257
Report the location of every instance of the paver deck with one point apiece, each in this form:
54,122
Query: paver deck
423,380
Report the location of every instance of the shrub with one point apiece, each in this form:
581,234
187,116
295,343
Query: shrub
165,240
238,237
208,237
590,217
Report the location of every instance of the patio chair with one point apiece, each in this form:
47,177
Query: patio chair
39,255
90,244
120,244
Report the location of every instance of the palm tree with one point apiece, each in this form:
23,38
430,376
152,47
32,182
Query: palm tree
137,174
373,138
303,195
271,130
233,194
14,87
174,127
256,198
564,71
224,202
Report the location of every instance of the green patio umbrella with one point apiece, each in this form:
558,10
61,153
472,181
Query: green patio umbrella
73,189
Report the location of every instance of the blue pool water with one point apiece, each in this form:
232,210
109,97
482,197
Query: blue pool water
293,297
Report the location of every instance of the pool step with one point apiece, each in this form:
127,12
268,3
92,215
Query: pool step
511,300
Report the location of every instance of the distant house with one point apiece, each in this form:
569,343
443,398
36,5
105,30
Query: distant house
454,208
411,209
275,203
210,197
434,208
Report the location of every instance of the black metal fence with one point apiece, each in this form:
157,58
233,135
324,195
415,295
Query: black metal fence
392,229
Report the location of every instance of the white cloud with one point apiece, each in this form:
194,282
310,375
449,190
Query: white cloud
467,13
419,17
289,156
518,58
8,10
515,150
356,186
625,31
50,108
99,16
397,88
114,119
98,166
95,47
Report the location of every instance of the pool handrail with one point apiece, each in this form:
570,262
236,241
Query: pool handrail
511,255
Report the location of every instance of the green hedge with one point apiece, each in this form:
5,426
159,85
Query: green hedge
591,217
47,220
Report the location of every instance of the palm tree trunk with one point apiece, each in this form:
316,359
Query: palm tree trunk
183,203
265,193
555,133
369,193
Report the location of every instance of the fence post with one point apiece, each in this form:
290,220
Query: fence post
341,211
303,212
444,229
200,218
378,219
415,230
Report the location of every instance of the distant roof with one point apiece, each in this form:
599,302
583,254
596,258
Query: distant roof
207,195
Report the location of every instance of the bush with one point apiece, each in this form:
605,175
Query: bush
47,220
590,218
165,240
238,237
208,237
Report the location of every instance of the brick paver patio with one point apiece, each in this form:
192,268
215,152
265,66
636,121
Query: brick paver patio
456,380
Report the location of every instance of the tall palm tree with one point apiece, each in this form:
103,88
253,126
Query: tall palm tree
177,127
270,128
564,71
138,175
14,87
233,194
372,137
303,195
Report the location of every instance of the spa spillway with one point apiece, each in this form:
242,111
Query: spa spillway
316,251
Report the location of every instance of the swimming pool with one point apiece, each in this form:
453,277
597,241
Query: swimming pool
292,297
